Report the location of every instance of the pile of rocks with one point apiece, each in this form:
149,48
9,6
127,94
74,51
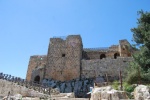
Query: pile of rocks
142,92
13,91
56,97
13,88
107,93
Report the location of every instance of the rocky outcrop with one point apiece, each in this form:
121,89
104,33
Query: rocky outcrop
11,88
79,87
142,92
56,97
107,93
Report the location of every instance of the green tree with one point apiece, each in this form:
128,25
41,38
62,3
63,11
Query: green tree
140,67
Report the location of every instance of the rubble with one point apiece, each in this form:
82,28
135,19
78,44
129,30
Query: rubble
107,93
142,92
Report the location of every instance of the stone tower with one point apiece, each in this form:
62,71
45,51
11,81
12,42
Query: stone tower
36,68
64,58
125,48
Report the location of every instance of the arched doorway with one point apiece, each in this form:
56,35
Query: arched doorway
102,56
37,79
116,55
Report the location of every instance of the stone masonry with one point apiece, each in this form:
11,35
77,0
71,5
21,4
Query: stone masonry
68,60
36,67
64,56
101,67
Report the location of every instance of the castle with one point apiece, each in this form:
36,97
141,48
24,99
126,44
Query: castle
67,60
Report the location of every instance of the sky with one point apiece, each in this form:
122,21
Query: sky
26,26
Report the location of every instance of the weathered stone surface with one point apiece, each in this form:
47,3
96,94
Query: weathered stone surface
34,63
142,92
107,93
75,86
66,60
68,88
17,92
99,67
13,89
29,98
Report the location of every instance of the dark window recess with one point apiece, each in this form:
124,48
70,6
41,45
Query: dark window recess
124,61
102,56
116,55
63,55
37,79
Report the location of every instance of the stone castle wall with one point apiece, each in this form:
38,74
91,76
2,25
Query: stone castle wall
87,55
35,63
100,67
64,58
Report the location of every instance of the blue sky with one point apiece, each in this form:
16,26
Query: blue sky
27,25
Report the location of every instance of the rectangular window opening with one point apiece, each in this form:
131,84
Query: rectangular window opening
63,55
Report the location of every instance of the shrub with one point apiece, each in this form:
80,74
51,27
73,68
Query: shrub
128,87
115,85
132,78
146,76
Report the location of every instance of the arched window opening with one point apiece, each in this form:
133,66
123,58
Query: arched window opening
102,56
116,55
37,79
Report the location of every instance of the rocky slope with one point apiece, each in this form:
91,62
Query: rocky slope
16,92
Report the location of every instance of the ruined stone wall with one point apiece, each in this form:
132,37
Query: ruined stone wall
92,54
64,58
114,48
38,74
98,53
35,62
73,57
99,67
87,55
125,48
56,63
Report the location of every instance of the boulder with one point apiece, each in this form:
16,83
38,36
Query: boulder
108,93
64,95
70,95
68,87
17,97
29,98
55,91
142,92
